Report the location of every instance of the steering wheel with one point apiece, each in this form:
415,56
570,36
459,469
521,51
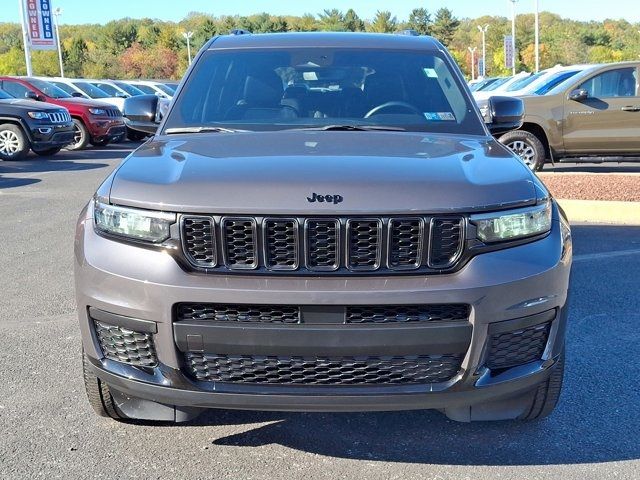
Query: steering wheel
384,106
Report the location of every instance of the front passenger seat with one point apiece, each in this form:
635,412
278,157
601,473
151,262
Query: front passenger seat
261,100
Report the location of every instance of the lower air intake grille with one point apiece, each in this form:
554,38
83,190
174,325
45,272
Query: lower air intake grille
408,313
322,370
219,312
126,346
518,347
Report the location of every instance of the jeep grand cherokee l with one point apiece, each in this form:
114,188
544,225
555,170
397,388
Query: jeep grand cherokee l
94,122
27,125
322,222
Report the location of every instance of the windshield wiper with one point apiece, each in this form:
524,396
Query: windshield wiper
170,131
355,128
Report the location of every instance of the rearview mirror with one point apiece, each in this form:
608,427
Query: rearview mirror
32,96
141,113
579,95
506,113
77,95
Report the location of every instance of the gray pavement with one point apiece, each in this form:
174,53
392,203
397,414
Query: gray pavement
48,430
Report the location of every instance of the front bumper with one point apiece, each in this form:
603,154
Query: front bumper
51,136
102,129
527,283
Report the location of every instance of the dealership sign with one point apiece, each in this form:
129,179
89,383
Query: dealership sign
38,24
509,54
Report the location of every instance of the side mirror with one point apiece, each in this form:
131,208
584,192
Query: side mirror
122,95
32,96
141,113
506,113
579,95
77,95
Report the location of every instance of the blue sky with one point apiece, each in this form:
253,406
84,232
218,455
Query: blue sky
101,11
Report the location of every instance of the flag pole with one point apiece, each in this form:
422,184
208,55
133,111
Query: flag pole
25,38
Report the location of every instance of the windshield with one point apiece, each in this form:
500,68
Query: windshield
4,95
110,90
523,82
130,89
49,89
91,90
493,86
553,81
169,91
313,87
146,89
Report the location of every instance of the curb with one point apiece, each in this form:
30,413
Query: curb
600,211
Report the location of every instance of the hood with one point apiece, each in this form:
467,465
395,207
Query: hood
84,102
29,105
276,172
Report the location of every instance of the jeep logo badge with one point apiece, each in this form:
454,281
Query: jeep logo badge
335,199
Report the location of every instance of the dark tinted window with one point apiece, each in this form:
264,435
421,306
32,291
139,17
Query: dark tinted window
265,89
49,89
4,95
91,90
621,82
554,81
130,89
15,89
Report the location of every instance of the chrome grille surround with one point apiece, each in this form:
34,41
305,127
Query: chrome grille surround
59,117
323,245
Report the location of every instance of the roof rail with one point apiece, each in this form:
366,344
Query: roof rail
239,31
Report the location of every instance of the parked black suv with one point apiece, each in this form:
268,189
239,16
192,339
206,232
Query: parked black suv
323,222
29,125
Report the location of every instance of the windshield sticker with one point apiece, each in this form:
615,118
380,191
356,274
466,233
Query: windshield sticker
439,116
430,72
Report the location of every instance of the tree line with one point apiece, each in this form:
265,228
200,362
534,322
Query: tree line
147,48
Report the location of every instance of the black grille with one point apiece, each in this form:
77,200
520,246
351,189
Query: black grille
238,313
281,243
322,242
408,313
249,369
240,243
323,245
364,244
126,346
518,347
113,112
406,243
446,242
198,237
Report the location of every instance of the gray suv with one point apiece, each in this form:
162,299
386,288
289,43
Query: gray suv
322,222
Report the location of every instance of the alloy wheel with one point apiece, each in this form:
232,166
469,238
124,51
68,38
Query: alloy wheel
9,143
524,151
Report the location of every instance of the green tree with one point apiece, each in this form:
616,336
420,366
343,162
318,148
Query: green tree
384,22
420,21
444,26
75,57
118,35
12,62
352,22
331,20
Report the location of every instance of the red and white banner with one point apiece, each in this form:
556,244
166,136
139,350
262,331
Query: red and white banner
39,24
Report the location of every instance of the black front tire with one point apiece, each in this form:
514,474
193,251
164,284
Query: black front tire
100,143
545,397
47,151
14,144
527,146
98,393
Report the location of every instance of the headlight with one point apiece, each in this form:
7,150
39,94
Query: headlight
38,115
513,224
133,223
97,111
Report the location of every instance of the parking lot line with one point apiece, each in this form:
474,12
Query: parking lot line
602,255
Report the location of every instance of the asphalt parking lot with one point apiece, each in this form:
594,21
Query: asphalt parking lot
48,430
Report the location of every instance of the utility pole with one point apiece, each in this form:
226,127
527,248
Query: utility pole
537,35
188,36
56,14
25,39
513,34
483,29
473,61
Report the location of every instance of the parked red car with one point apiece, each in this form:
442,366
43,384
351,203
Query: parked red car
95,122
